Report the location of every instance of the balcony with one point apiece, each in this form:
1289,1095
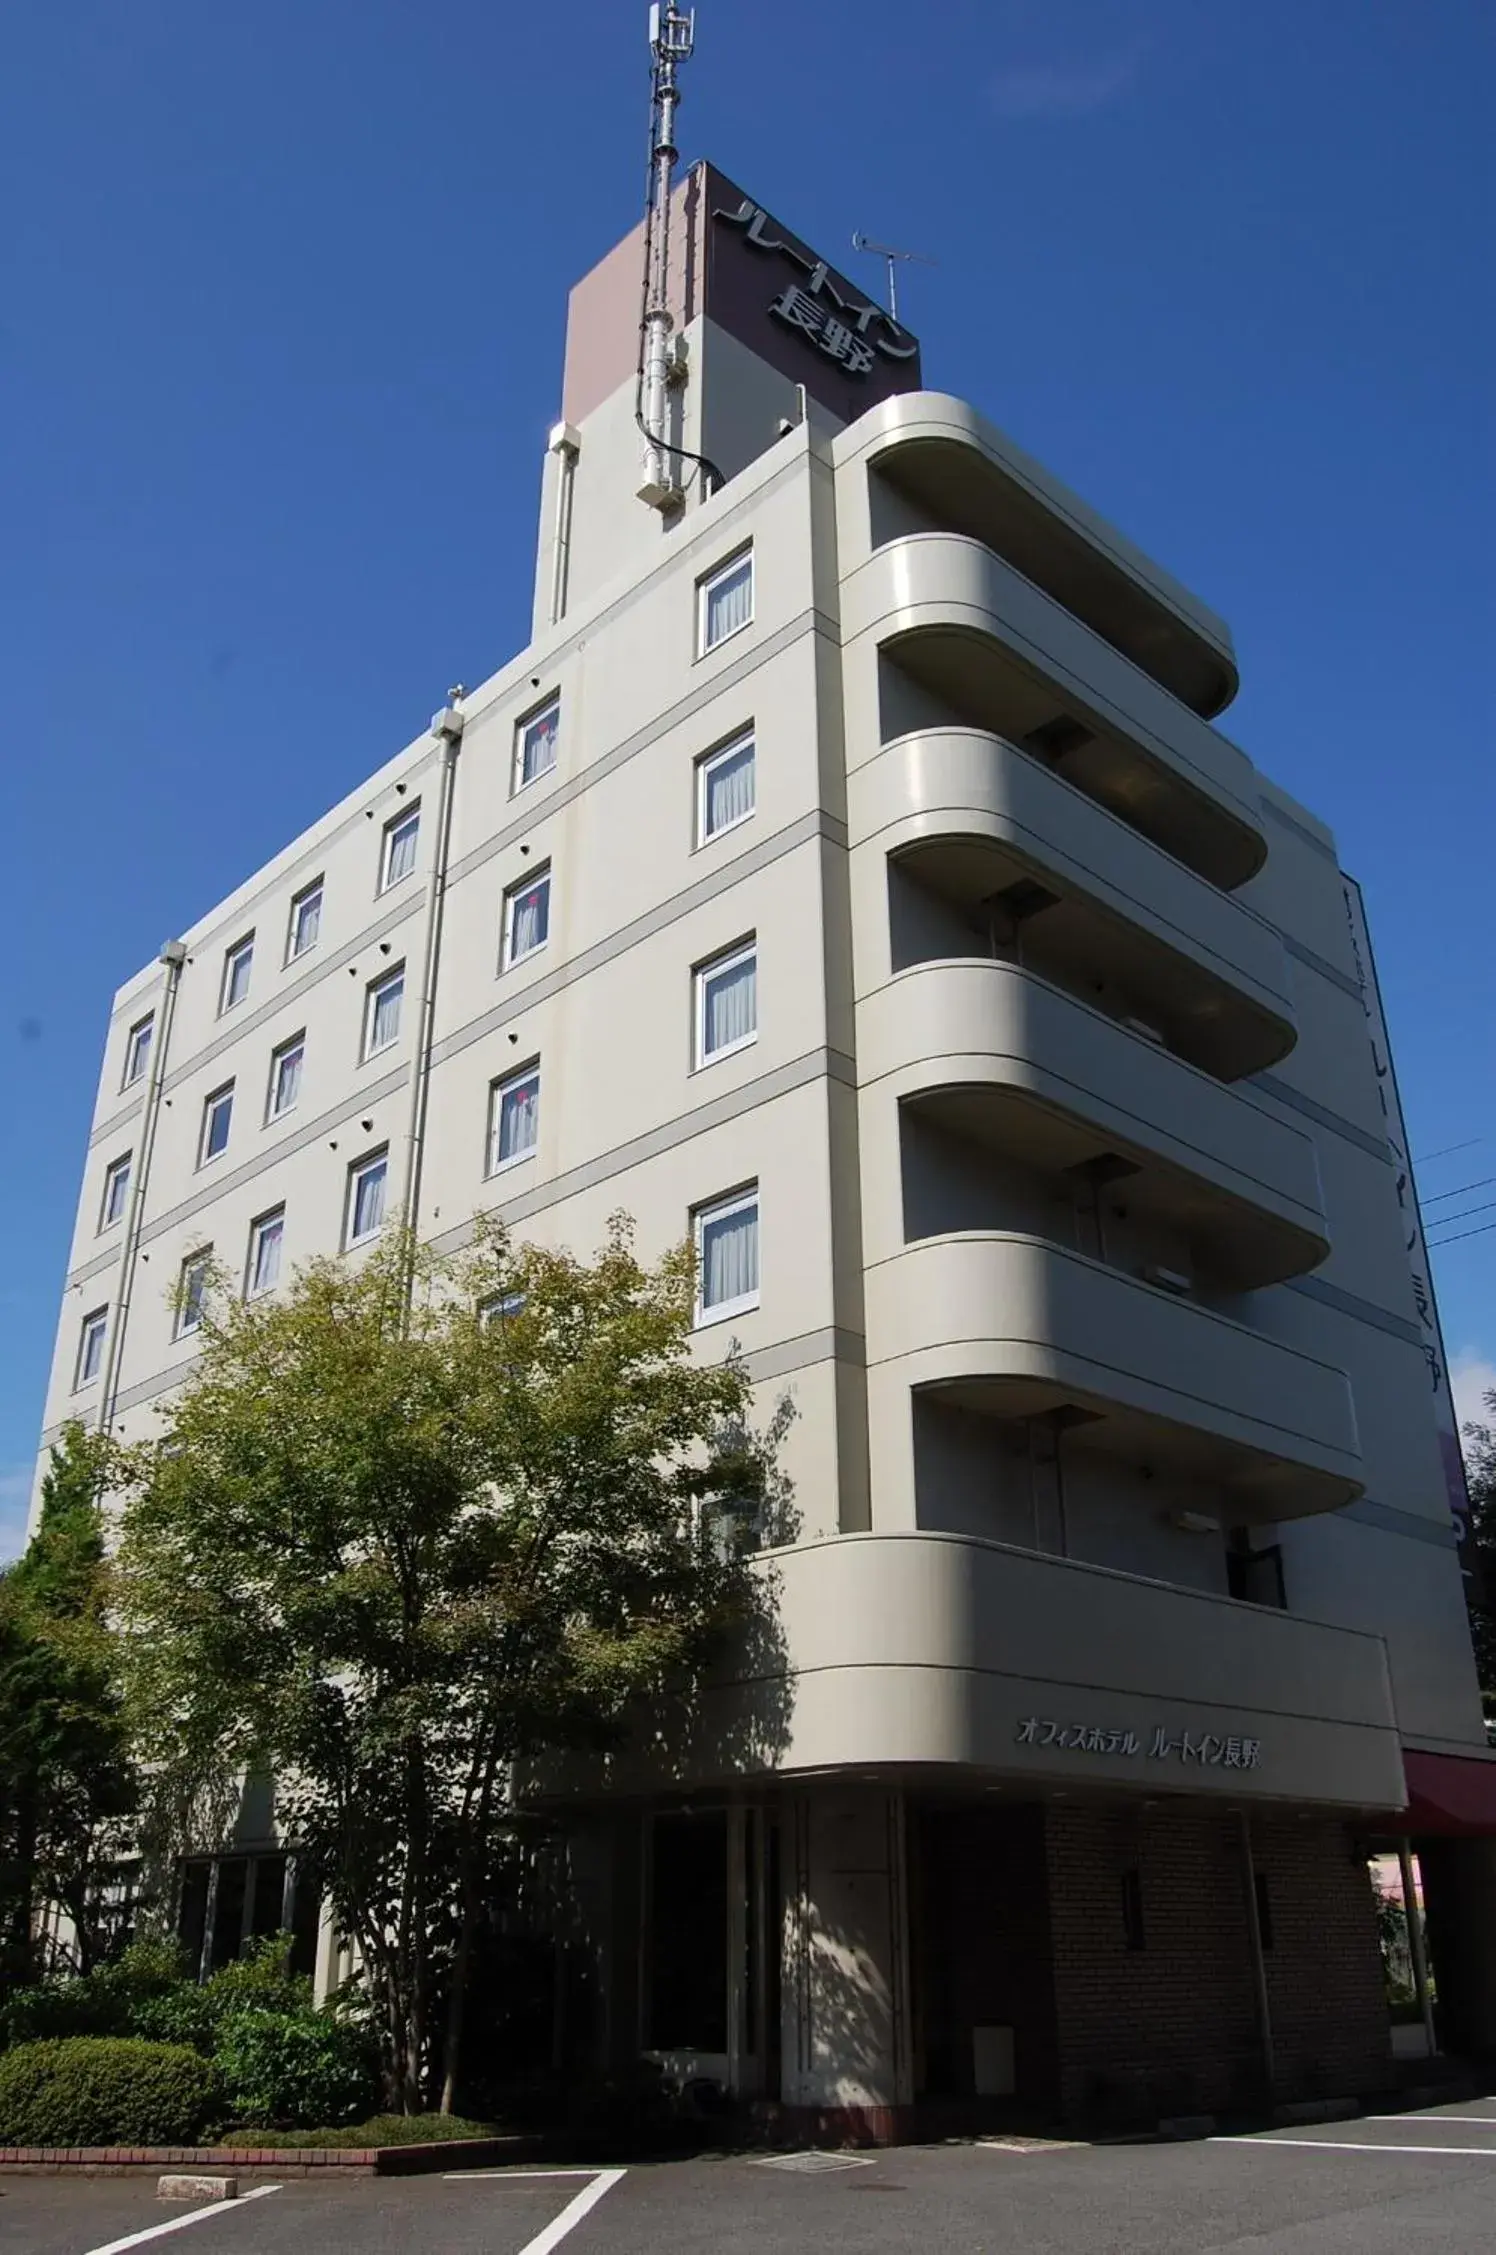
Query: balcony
1015,1326
968,815
931,461
962,637
928,1657
1013,1067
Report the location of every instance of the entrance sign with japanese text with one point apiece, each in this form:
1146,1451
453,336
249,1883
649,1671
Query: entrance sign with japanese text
1202,1749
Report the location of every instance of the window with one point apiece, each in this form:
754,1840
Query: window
382,1008
218,1113
285,1076
237,965
726,788
91,1346
399,856
305,927
262,1269
513,1118
116,1191
192,1290
138,1050
535,739
726,1234
366,1188
727,1002
527,917
502,1305
725,601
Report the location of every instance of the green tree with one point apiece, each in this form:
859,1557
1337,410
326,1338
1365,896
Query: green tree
67,1779
1480,1477
410,1523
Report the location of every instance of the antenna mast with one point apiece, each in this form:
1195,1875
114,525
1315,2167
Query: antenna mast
892,260
671,36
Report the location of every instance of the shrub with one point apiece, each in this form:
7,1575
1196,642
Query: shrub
109,2002
381,2129
106,2090
259,1981
295,2070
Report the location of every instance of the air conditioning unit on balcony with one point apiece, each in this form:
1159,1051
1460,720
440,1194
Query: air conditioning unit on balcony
1167,1279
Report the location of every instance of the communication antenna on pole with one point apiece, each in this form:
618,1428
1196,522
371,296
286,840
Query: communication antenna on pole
893,260
672,33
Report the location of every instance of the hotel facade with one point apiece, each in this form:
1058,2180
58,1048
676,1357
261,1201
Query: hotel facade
853,872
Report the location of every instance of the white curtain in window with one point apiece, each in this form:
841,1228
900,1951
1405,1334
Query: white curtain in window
368,1200
402,850
729,788
519,1119
531,919
268,1254
288,1080
308,923
729,1255
386,1022
538,745
730,1007
729,601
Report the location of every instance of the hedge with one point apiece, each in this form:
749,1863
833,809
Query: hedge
296,2070
106,2090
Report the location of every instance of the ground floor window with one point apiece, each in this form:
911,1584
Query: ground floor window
227,1901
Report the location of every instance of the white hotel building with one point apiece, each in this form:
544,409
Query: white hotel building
852,870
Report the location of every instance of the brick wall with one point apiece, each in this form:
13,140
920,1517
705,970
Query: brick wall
1172,2027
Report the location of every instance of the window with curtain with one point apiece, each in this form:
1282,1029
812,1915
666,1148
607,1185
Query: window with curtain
727,1002
382,1021
91,1346
527,917
285,1076
514,1122
535,741
400,840
238,963
726,788
192,1290
116,1191
306,921
138,1050
726,598
218,1113
265,1239
366,1188
727,1256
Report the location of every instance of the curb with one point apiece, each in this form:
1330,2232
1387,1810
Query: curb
263,2160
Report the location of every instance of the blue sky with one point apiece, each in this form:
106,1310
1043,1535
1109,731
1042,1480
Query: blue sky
280,340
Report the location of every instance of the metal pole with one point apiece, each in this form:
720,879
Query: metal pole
1416,1950
1259,1962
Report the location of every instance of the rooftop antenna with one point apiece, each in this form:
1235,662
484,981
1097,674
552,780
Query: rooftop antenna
672,33
893,260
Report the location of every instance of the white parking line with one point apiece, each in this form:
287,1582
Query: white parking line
1268,2139
603,2181
180,2223
1486,2121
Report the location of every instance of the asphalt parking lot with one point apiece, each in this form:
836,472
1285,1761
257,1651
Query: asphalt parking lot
1424,2180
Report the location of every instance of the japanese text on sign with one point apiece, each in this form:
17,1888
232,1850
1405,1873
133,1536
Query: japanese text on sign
1203,1749
850,330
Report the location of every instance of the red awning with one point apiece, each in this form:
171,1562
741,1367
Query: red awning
1449,1794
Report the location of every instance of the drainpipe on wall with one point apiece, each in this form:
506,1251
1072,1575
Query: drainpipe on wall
173,956
446,726
565,443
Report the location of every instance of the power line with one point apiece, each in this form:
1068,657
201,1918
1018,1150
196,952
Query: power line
1437,1245
1464,1186
1469,1214
1424,1157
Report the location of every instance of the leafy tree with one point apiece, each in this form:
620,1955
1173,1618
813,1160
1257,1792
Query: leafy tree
411,1523
1480,1476
67,1780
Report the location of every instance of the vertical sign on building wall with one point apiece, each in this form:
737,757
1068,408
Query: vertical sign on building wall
1445,1416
